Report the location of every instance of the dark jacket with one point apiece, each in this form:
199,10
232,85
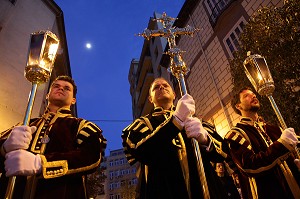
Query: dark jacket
76,148
168,164
262,159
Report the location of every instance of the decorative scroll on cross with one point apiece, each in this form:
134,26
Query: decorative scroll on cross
178,68
177,65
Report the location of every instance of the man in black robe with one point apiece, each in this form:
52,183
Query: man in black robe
161,143
263,153
51,157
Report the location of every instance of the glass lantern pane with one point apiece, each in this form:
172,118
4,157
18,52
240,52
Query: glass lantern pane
264,70
49,53
251,72
36,43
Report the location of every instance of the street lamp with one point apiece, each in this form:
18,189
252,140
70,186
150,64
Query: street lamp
42,51
258,73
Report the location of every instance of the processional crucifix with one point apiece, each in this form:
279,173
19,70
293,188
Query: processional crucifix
178,68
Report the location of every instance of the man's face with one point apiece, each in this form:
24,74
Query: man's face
220,168
61,94
248,102
161,92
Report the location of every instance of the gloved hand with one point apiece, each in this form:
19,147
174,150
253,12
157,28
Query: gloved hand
19,138
194,129
289,136
21,162
185,108
297,162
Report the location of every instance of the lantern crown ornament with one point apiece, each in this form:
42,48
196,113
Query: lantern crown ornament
258,73
43,46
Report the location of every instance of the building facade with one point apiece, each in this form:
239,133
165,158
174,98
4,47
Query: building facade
207,54
18,19
121,180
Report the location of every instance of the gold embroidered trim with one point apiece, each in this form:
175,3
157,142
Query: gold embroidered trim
137,126
253,187
153,132
53,169
148,123
143,130
86,168
84,133
261,169
237,133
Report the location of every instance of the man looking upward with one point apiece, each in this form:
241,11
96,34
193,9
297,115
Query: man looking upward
57,149
160,142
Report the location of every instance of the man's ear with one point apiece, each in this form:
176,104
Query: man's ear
237,106
73,101
150,99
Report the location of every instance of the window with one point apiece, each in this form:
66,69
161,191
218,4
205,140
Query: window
135,181
231,41
133,170
111,174
117,162
111,186
216,8
117,173
122,161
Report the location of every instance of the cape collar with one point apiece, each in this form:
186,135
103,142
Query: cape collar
62,112
160,111
250,121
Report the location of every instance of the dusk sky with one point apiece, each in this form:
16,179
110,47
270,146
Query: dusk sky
101,71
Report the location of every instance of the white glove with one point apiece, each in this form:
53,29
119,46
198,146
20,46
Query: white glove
21,162
289,136
19,138
194,129
185,108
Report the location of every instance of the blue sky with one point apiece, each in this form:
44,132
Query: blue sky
101,72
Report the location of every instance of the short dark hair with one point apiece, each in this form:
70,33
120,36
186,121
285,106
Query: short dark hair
67,79
236,99
214,164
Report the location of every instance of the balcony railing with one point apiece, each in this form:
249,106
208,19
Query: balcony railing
219,8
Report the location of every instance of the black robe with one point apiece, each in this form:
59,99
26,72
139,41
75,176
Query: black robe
76,148
166,158
256,149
